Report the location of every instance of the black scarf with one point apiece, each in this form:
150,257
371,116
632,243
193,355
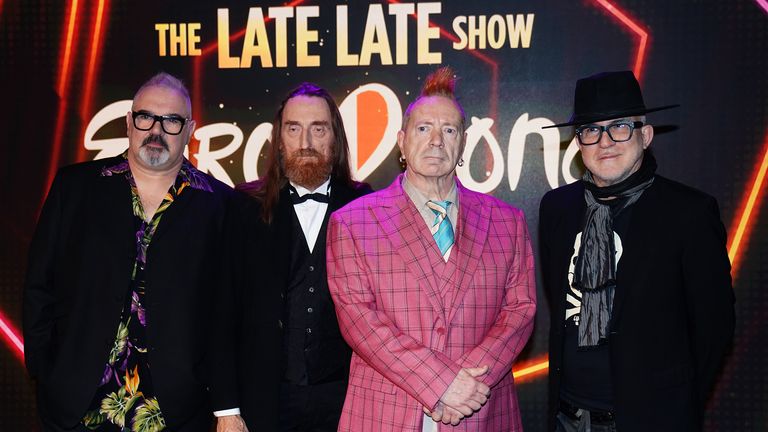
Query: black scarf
595,270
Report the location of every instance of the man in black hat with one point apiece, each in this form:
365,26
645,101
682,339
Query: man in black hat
638,277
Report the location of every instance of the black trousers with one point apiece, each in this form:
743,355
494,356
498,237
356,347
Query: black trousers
311,408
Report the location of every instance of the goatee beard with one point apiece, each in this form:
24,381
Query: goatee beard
308,168
153,156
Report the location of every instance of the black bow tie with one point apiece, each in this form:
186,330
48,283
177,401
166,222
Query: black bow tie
314,196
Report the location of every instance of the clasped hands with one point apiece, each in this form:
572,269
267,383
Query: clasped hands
464,396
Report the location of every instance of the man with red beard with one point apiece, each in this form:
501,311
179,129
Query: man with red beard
307,178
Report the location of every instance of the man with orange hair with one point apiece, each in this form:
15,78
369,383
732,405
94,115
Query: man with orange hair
433,286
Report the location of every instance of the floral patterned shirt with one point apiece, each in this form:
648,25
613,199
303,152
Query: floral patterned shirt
125,399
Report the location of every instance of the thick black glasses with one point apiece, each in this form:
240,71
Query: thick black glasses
171,124
619,132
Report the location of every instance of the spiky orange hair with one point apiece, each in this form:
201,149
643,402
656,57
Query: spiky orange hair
441,82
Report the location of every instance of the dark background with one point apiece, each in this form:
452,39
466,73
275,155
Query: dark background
708,56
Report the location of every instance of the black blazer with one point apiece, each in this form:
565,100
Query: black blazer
263,276
79,272
673,316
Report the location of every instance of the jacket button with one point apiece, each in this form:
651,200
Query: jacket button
309,330
311,268
311,289
310,310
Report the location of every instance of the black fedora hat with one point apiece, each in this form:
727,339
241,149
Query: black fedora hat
605,96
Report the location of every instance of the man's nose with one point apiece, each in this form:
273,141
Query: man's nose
605,140
306,139
436,138
157,128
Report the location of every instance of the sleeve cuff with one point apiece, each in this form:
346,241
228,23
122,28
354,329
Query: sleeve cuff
227,412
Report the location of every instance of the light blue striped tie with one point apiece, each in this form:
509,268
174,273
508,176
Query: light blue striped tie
442,230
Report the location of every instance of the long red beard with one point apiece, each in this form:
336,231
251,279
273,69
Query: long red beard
306,171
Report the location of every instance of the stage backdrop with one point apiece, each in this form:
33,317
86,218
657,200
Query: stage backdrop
69,70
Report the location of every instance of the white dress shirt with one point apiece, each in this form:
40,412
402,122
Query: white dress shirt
311,213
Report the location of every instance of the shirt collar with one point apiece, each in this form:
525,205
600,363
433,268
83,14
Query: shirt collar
419,198
187,172
323,189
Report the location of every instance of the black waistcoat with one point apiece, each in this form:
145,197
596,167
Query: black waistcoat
312,344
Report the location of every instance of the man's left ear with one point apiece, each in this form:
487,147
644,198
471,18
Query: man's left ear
463,144
191,125
647,133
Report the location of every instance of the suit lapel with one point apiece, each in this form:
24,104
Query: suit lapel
570,227
636,235
340,196
281,229
176,210
471,233
117,222
282,234
406,230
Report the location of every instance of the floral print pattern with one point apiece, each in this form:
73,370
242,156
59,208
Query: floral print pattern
125,399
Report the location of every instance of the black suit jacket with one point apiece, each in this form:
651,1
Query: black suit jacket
264,276
79,272
673,316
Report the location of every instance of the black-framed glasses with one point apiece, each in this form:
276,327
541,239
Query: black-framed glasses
618,132
171,124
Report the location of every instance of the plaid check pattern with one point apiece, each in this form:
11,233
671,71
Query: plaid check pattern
414,320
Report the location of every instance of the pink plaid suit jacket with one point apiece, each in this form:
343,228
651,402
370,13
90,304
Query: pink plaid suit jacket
414,320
